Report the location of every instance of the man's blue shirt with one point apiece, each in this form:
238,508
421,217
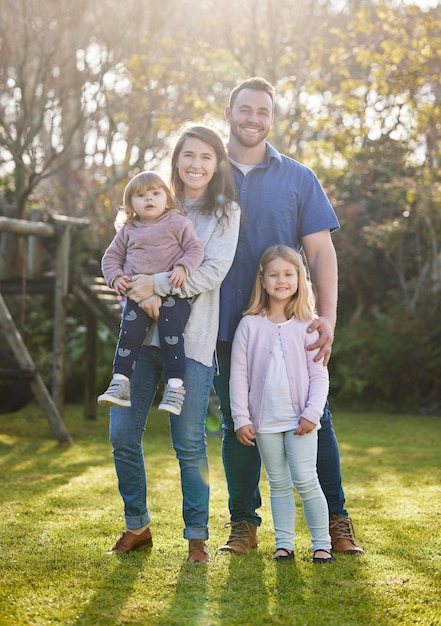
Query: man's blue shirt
281,201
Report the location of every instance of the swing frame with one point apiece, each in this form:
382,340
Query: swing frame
59,228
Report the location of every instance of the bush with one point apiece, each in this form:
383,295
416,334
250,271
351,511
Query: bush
390,360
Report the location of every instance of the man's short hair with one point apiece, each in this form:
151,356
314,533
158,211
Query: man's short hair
257,83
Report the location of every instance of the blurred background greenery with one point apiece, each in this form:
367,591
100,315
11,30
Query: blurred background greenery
91,92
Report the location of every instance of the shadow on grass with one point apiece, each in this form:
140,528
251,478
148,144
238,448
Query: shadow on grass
189,603
32,466
245,592
109,600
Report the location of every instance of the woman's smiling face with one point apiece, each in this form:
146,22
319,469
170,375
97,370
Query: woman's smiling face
197,164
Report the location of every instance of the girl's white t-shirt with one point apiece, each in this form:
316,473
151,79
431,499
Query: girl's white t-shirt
278,414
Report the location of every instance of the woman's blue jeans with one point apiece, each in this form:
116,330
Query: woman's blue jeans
127,426
242,463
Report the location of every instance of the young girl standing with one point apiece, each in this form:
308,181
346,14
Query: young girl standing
278,393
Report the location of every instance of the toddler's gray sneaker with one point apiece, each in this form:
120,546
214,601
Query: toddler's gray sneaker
118,394
172,400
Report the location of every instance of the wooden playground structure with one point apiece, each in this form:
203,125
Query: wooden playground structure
100,304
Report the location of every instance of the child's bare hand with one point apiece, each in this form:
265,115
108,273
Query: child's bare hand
246,435
305,426
177,276
120,284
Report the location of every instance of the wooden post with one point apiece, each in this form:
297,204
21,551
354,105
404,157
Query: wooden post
100,304
59,334
22,227
33,261
37,385
90,405
63,227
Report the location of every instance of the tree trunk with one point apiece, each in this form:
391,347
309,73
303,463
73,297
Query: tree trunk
10,265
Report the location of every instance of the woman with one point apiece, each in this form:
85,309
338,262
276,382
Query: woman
204,189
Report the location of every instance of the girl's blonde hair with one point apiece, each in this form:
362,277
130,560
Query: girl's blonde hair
302,304
144,181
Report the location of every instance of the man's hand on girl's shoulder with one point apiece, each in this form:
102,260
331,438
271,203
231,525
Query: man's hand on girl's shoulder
324,341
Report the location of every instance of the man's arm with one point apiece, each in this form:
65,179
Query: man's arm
322,262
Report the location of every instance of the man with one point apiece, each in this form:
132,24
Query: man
282,203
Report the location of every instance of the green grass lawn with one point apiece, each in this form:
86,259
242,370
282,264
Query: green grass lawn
60,511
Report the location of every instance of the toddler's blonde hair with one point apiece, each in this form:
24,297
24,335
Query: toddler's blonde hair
144,181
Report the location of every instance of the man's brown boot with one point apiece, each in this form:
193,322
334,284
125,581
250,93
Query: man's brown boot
129,541
198,551
243,537
342,535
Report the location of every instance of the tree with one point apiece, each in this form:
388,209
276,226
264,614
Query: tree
375,126
358,89
82,108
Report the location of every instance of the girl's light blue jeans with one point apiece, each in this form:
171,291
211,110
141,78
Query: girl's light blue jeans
242,466
291,460
127,426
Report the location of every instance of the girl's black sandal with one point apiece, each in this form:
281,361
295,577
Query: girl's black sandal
321,559
284,557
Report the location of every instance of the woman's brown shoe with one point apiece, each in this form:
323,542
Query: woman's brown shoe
198,551
129,541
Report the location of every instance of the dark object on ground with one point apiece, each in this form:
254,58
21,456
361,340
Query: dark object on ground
15,391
